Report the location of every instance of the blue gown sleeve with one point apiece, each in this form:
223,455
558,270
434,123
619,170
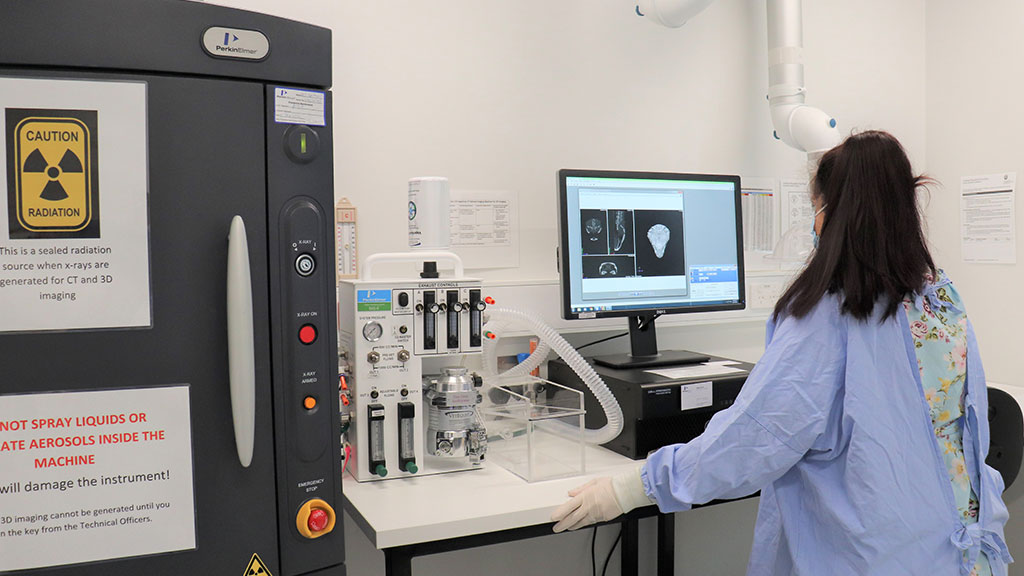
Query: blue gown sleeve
781,413
978,393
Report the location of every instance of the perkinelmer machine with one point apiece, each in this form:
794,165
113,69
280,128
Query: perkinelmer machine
169,387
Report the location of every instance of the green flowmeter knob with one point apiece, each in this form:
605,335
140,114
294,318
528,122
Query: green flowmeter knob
381,471
411,467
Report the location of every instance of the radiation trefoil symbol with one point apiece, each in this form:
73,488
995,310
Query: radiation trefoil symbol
256,567
53,181
53,190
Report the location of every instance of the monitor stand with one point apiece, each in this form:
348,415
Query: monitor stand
643,343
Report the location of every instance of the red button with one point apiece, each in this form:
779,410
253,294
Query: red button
317,520
307,334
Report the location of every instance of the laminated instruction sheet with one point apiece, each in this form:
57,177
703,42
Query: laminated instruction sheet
89,476
74,220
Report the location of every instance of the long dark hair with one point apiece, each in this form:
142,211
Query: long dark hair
872,246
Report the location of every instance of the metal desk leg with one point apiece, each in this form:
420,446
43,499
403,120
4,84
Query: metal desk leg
630,547
666,544
397,562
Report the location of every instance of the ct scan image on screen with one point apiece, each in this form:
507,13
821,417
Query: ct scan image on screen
609,266
594,224
659,252
640,242
620,232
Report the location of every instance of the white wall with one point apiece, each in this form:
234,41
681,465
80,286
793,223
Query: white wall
974,126
501,94
975,122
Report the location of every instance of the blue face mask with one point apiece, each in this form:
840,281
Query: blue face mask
814,233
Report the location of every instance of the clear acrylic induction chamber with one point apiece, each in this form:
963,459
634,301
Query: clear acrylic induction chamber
534,427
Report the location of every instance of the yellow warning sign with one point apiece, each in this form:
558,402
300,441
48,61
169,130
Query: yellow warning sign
256,567
52,184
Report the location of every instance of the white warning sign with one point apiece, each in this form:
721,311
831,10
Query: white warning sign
88,476
74,216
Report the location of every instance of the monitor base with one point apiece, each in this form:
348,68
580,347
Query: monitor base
665,358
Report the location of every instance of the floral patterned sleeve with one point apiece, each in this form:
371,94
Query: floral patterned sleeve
938,325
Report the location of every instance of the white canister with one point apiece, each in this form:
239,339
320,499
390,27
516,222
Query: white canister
429,220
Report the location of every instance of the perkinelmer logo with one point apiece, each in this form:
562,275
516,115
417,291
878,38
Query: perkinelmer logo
234,49
221,42
52,173
230,39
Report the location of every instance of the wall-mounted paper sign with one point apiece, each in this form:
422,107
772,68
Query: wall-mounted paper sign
74,218
988,228
485,228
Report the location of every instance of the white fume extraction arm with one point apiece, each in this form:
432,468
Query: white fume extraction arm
803,127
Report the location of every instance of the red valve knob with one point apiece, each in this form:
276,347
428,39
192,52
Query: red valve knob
489,300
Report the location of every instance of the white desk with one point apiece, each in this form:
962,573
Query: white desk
407,517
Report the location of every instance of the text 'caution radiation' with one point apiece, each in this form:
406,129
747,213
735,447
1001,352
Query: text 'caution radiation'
52,173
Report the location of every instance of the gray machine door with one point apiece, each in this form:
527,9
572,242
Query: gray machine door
206,165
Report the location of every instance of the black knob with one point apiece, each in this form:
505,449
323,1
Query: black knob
403,299
429,270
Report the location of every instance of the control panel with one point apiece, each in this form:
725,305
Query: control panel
307,430
387,328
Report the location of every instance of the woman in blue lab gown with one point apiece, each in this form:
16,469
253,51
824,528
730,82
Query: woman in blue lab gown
864,425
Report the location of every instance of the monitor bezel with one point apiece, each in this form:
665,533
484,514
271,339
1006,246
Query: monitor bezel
563,242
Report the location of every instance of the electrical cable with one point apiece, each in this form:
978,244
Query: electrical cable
578,348
348,456
642,324
593,560
609,558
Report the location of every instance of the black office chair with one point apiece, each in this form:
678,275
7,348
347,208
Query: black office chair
1006,441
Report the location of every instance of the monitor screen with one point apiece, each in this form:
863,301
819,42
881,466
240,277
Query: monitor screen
634,243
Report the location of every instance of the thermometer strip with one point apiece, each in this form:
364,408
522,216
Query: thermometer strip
345,239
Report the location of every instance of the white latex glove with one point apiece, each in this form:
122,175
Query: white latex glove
601,500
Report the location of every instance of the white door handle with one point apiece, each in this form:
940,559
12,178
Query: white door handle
241,348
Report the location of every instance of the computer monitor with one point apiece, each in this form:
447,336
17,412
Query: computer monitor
644,244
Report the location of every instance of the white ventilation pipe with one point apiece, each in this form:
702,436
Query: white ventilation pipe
800,126
803,127
499,317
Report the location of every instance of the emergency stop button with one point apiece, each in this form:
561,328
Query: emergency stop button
307,334
318,520
315,518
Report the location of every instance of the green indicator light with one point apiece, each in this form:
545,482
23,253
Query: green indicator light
302,142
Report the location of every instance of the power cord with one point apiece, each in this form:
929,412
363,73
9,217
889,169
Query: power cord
602,340
593,561
609,558
641,325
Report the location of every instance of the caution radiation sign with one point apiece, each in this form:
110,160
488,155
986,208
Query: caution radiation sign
74,205
53,180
